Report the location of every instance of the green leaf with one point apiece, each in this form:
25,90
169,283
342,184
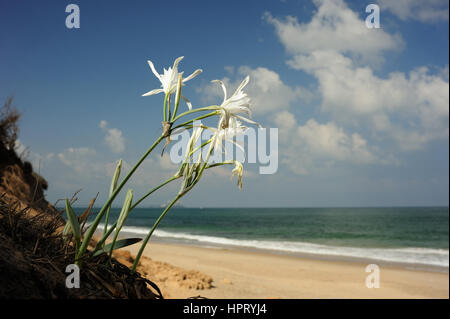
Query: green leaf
112,188
73,222
119,244
125,210
115,178
66,229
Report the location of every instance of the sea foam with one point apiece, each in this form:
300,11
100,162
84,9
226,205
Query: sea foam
425,256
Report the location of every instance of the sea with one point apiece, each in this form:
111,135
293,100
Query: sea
415,236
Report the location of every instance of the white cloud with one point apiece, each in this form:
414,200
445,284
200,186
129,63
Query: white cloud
36,159
152,172
411,109
229,69
85,167
113,138
285,121
75,156
429,11
103,124
165,163
85,163
330,141
334,27
266,90
406,110
313,145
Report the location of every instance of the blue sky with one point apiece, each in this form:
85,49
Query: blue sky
362,113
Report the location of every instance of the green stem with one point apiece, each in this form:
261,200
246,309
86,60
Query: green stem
200,147
164,106
112,246
153,190
141,250
177,95
175,110
107,219
196,119
168,107
219,164
211,148
113,226
155,225
99,216
200,109
100,243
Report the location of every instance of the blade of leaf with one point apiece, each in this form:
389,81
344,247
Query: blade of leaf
119,244
66,229
125,210
74,224
112,188
122,217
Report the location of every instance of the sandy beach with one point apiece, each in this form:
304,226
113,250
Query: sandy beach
254,274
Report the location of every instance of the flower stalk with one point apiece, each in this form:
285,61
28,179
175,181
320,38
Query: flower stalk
230,113
177,96
100,214
155,225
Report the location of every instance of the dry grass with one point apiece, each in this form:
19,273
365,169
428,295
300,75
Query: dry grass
9,130
34,256
33,253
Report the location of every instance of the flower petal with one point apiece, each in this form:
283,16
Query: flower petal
175,64
189,104
152,92
248,121
224,88
150,63
193,75
242,85
239,171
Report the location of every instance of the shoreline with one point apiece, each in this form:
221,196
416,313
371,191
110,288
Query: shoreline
311,256
241,273
299,254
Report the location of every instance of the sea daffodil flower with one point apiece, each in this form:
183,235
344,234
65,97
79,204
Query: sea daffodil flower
221,135
238,103
169,79
189,171
239,171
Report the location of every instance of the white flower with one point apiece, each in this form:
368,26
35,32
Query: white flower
239,171
221,135
238,103
189,171
169,79
191,150
196,134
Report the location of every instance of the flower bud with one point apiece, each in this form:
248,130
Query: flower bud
239,171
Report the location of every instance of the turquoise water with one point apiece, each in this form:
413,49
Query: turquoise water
411,235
